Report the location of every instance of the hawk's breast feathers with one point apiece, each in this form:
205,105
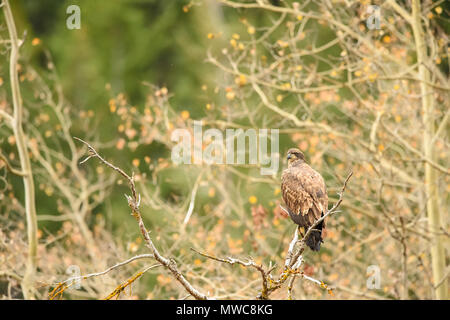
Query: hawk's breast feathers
304,192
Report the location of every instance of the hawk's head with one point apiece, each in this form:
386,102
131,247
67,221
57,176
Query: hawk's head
294,155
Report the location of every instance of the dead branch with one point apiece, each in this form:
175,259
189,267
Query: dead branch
249,263
60,287
10,168
116,293
134,203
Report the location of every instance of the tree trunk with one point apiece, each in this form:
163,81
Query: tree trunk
431,182
30,207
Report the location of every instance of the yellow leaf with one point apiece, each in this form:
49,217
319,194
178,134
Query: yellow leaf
35,41
197,262
241,80
185,115
253,199
230,95
286,85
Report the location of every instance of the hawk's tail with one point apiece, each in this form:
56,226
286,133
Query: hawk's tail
314,240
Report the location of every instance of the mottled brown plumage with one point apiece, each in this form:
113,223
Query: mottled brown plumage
305,195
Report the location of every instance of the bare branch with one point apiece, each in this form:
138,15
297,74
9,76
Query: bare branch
249,263
116,293
134,203
10,168
60,287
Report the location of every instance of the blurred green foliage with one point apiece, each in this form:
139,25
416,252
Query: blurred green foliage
121,44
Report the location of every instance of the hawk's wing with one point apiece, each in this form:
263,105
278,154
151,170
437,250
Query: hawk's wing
304,193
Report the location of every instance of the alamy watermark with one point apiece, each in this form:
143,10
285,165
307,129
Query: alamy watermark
74,20
211,146
75,273
373,21
374,277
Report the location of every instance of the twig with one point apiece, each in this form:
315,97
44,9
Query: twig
291,245
10,168
60,287
120,264
116,293
250,263
291,286
192,201
8,117
10,274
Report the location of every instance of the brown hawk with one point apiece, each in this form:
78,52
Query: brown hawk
305,195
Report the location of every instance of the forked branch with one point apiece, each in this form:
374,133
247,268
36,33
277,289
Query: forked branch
134,204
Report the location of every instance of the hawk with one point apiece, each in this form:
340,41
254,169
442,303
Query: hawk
305,195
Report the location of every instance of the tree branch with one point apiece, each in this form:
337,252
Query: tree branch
249,263
10,168
134,203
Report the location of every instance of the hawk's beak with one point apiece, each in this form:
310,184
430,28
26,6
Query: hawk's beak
289,156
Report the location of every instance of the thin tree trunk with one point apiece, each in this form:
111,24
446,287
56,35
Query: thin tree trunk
30,207
431,183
